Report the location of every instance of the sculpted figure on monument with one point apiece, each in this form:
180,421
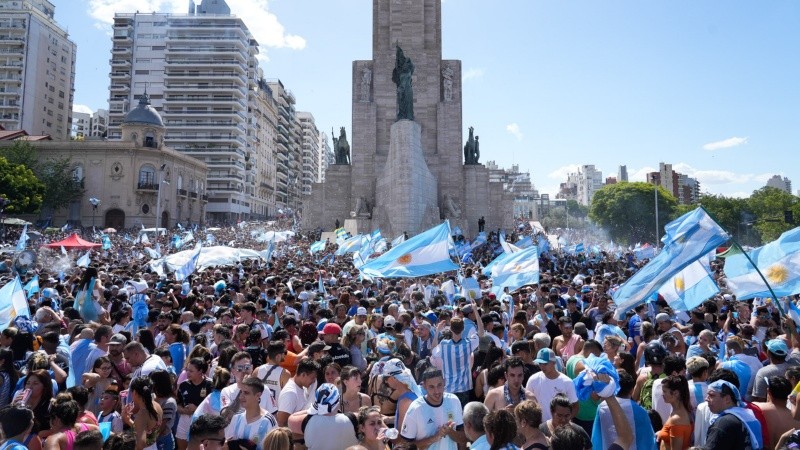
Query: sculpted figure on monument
447,82
469,149
363,208
401,76
476,155
366,82
341,148
453,211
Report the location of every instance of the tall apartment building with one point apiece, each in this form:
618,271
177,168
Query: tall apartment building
326,156
590,180
526,197
37,69
198,69
782,183
311,148
289,149
85,125
684,188
262,137
622,174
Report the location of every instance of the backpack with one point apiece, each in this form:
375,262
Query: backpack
646,397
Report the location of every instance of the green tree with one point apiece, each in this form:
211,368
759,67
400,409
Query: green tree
731,213
627,211
577,210
769,204
60,186
20,187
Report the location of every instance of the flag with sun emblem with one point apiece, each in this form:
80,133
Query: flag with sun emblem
691,286
778,261
424,254
687,238
519,269
12,303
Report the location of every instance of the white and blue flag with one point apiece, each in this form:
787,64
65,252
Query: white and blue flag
517,270
317,247
190,266
690,287
424,254
23,239
12,303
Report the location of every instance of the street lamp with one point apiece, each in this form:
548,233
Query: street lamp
3,203
158,197
95,203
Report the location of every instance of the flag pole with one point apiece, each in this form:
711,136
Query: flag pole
763,278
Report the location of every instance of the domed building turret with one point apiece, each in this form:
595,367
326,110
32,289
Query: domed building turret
143,125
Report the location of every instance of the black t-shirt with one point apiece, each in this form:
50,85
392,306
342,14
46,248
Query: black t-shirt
729,433
339,354
191,394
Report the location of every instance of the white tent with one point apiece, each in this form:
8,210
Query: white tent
219,255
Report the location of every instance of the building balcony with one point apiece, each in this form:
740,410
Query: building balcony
193,195
147,186
119,63
182,193
204,197
120,50
120,75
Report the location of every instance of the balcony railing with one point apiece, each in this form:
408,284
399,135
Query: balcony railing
182,192
147,186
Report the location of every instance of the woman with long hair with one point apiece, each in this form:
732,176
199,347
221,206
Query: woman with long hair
352,398
278,311
528,415
352,341
278,439
648,334
177,340
147,421
492,356
676,434
501,429
8,376
146,338
625,361
97,381
87,296
162,389
371,428
212,404
191,393
40,386
64,414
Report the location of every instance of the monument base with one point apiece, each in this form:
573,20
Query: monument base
406,190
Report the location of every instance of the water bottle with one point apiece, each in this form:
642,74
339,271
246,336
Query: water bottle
390,433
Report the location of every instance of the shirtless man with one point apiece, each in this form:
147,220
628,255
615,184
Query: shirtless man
777,415
568,343
512,392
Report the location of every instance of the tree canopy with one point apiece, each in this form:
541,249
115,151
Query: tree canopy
19,186
627,211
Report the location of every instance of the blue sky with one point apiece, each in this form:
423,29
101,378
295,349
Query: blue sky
711,86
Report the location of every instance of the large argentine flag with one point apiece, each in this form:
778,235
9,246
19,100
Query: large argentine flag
424,254
498,260
12,303
687,238
351,245
691,286
604,433
778,261
520,269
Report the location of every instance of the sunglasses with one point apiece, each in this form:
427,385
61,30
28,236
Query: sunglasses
243,367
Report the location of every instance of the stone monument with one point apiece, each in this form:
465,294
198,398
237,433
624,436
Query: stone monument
408,168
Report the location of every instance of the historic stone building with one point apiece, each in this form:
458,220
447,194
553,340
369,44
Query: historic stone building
130,175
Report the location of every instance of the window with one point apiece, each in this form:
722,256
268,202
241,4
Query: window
147,177
180,181
77,173
150,140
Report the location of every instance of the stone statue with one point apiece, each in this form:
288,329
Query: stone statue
447,83
401,76
341,148
363,208
366,83
453,211
469,149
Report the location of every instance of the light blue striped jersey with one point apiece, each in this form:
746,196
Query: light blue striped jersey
455,358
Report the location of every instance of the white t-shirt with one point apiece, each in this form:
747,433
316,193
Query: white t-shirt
664,409
423,420
229,393
293,398
272,385
254,431
150,365
96,353
546,389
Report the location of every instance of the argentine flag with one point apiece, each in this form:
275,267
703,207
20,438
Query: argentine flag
480,239
188,268
604,433
778,261
690,287
32,286
106,242
519,269
23,239
398,240
12,303
267,253
424,254
341,235
525,242
84,260
351,245
316,247
687,239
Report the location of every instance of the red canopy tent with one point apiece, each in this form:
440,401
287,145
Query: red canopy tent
73,242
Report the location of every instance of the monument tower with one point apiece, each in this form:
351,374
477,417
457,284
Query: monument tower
407,172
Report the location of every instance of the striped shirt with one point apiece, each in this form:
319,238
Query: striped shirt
254,431
455,360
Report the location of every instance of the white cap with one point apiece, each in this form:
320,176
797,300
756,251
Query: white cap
389,321
361,311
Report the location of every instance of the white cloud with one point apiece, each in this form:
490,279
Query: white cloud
264,25
725,143
473,73
641,174
562,172
513,128
82,108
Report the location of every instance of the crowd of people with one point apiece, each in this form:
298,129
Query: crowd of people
302,351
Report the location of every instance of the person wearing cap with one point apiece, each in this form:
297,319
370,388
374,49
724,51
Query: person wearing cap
330,334
435,420
735,427
120,368
777,350
359,319
549,382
